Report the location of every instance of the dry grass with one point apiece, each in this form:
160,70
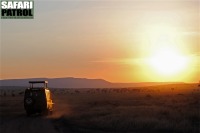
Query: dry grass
157,109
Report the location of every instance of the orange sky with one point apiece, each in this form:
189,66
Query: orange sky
112,40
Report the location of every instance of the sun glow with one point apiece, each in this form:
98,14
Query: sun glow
168,61
166,52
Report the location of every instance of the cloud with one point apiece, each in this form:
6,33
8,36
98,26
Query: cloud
125,61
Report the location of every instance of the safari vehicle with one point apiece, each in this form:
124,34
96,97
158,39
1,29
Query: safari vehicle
38,99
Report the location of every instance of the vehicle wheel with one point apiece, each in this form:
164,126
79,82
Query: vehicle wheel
46,112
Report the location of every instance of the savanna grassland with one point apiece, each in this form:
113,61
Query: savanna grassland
154,109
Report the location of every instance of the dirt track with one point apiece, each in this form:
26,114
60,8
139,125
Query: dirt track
13,118
23,124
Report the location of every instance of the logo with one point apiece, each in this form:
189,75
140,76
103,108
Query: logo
17,9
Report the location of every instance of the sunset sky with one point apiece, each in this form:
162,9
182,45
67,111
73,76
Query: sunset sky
115,40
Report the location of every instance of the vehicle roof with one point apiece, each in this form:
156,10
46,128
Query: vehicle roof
34,82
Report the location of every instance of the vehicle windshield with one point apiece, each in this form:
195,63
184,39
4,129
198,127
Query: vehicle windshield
39,85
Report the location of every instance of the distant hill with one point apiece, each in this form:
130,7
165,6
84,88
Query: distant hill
71,82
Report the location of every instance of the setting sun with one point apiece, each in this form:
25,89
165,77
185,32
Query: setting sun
115,40
168,61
